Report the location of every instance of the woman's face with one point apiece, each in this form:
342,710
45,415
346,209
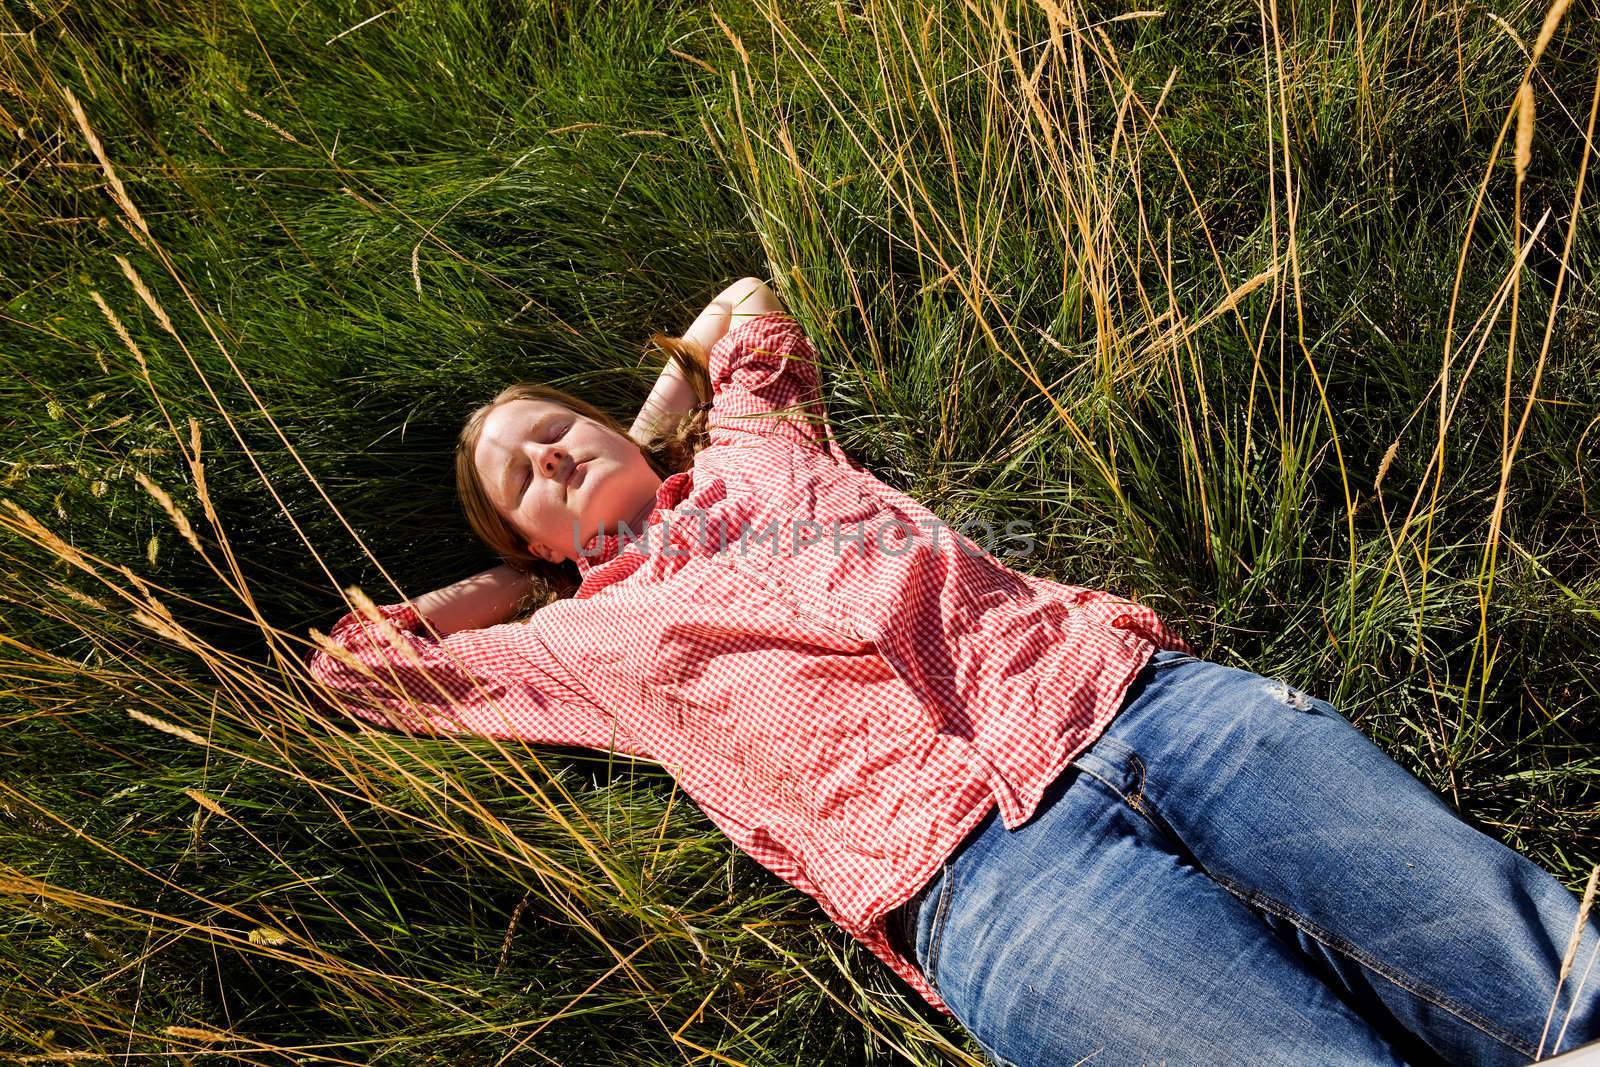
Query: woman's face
558,477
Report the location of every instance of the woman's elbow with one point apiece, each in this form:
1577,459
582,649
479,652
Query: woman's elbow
748,297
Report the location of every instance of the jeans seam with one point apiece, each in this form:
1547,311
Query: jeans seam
935,942
936,930
1339,944
999,1060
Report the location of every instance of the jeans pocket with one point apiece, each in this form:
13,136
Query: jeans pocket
1121,772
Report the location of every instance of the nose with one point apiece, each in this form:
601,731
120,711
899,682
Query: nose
548,459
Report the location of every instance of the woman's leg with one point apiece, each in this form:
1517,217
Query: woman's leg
1419,919
1085,935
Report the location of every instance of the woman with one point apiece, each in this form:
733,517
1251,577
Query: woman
1031,800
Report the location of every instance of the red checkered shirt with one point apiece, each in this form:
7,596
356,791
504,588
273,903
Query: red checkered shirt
841,683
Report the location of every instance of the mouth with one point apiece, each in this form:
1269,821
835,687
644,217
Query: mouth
575,476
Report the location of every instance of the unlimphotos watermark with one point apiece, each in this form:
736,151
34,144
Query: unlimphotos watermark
894,537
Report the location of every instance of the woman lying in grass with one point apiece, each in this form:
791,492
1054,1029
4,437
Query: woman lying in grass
1190,862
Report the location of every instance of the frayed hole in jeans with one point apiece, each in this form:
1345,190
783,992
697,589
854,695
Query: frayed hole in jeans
1284,693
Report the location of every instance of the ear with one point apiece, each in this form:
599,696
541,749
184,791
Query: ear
539,552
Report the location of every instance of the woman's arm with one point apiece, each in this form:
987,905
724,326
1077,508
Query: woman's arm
673,395
492,680
485,599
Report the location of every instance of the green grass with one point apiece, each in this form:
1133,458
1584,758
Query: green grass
1182,290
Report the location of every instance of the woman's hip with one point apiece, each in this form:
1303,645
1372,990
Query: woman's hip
1082,934
1228,822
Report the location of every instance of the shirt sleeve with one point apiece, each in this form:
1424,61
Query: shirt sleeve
765,381
498,681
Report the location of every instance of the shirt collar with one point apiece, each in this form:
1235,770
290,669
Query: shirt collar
604,547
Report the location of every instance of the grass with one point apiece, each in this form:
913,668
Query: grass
1279,316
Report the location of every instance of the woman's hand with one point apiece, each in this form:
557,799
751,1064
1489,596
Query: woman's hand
485,599
672,395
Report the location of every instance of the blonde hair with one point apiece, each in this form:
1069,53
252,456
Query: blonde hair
669,450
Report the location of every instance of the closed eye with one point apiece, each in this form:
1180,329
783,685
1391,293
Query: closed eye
527,469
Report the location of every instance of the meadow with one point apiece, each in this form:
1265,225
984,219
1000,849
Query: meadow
1278,316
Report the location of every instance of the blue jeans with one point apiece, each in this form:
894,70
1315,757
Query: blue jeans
1233,874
